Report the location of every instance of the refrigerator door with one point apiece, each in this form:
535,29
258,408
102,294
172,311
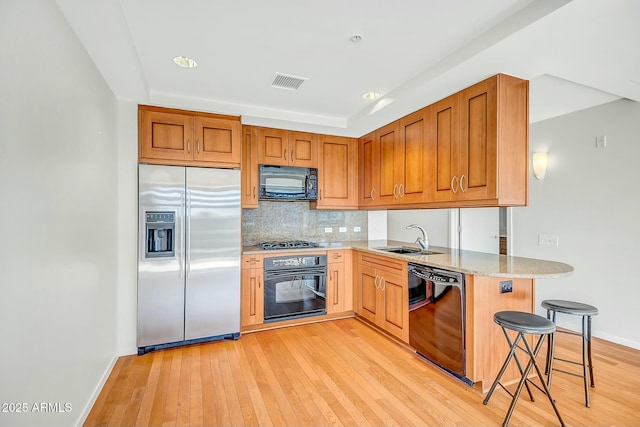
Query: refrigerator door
212,290
161,276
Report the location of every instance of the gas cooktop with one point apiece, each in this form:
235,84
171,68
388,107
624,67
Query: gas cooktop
291,244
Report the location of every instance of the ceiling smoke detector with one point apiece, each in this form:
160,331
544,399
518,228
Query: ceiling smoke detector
287,81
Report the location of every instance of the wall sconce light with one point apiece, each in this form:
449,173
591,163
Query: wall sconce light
540,161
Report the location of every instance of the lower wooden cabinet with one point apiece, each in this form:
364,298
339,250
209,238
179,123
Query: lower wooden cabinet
252,291
381,292
339,283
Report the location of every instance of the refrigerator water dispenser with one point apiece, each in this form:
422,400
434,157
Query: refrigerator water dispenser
160,230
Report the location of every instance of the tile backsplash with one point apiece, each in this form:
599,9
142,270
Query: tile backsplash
295,221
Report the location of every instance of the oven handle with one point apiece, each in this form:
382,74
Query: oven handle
308,271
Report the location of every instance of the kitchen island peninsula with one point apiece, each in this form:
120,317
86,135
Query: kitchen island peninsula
379,294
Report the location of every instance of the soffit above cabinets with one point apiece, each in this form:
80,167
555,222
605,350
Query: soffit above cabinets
412,52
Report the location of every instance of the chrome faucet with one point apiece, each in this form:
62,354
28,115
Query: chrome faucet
424,241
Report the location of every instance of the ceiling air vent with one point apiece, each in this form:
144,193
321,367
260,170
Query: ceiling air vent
288,82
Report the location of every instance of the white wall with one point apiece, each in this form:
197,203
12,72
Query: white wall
127,227
590,199
434,221
58,215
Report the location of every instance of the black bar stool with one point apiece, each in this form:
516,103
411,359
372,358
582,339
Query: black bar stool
554,306
523,323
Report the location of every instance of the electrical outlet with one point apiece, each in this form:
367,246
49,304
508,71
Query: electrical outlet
342,229
547,240
357,229
506,286
328,230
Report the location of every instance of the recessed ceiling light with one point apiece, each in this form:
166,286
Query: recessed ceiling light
371,95
185,62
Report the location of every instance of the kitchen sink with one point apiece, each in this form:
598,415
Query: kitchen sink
407,250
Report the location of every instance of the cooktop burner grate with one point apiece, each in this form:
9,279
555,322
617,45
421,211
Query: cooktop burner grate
292,244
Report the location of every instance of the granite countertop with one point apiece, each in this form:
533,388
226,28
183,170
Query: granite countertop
470,262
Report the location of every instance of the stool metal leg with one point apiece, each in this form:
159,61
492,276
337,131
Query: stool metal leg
533,355
502,369
593,384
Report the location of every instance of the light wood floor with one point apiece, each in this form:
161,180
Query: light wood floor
344,373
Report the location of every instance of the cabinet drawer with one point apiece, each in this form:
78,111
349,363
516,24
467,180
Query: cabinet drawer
387,263
335,256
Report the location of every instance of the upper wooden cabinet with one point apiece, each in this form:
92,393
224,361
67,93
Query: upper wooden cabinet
394,162
178,137
368,173
480,144
287,148
337,173
411,157
249,168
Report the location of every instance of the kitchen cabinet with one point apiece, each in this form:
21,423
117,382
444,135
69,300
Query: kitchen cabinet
337,173
188,138
339,284
368,176
480,144
393,162
287,148
411,157
252,291
381,293
249,168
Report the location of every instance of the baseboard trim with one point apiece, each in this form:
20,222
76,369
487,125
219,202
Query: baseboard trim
96,392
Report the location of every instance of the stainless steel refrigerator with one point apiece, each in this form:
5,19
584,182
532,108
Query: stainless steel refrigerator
188,255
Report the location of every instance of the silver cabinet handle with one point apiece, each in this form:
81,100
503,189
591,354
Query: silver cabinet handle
375,281
453,186
401,191
372,194
188,145
383,284
462,183
198,145
254,192
292,157
285,154
395,196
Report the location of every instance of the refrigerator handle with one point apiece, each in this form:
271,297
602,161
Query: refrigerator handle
187,235
181,227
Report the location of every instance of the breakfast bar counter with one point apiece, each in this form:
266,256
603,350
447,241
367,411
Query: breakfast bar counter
468,262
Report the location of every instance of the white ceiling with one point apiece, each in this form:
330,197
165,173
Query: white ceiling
576,54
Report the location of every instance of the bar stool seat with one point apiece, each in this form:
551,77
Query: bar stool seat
553,307
523,323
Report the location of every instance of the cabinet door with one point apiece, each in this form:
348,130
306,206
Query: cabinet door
303,149
412,157
369,298
217,140
394,315
249,167
273,146
335,287
337,173
252,292
478,141
165,136
368,172
387,138
443,156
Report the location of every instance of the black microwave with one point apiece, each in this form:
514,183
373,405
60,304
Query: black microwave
287,183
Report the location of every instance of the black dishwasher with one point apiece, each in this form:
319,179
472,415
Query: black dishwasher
437,316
